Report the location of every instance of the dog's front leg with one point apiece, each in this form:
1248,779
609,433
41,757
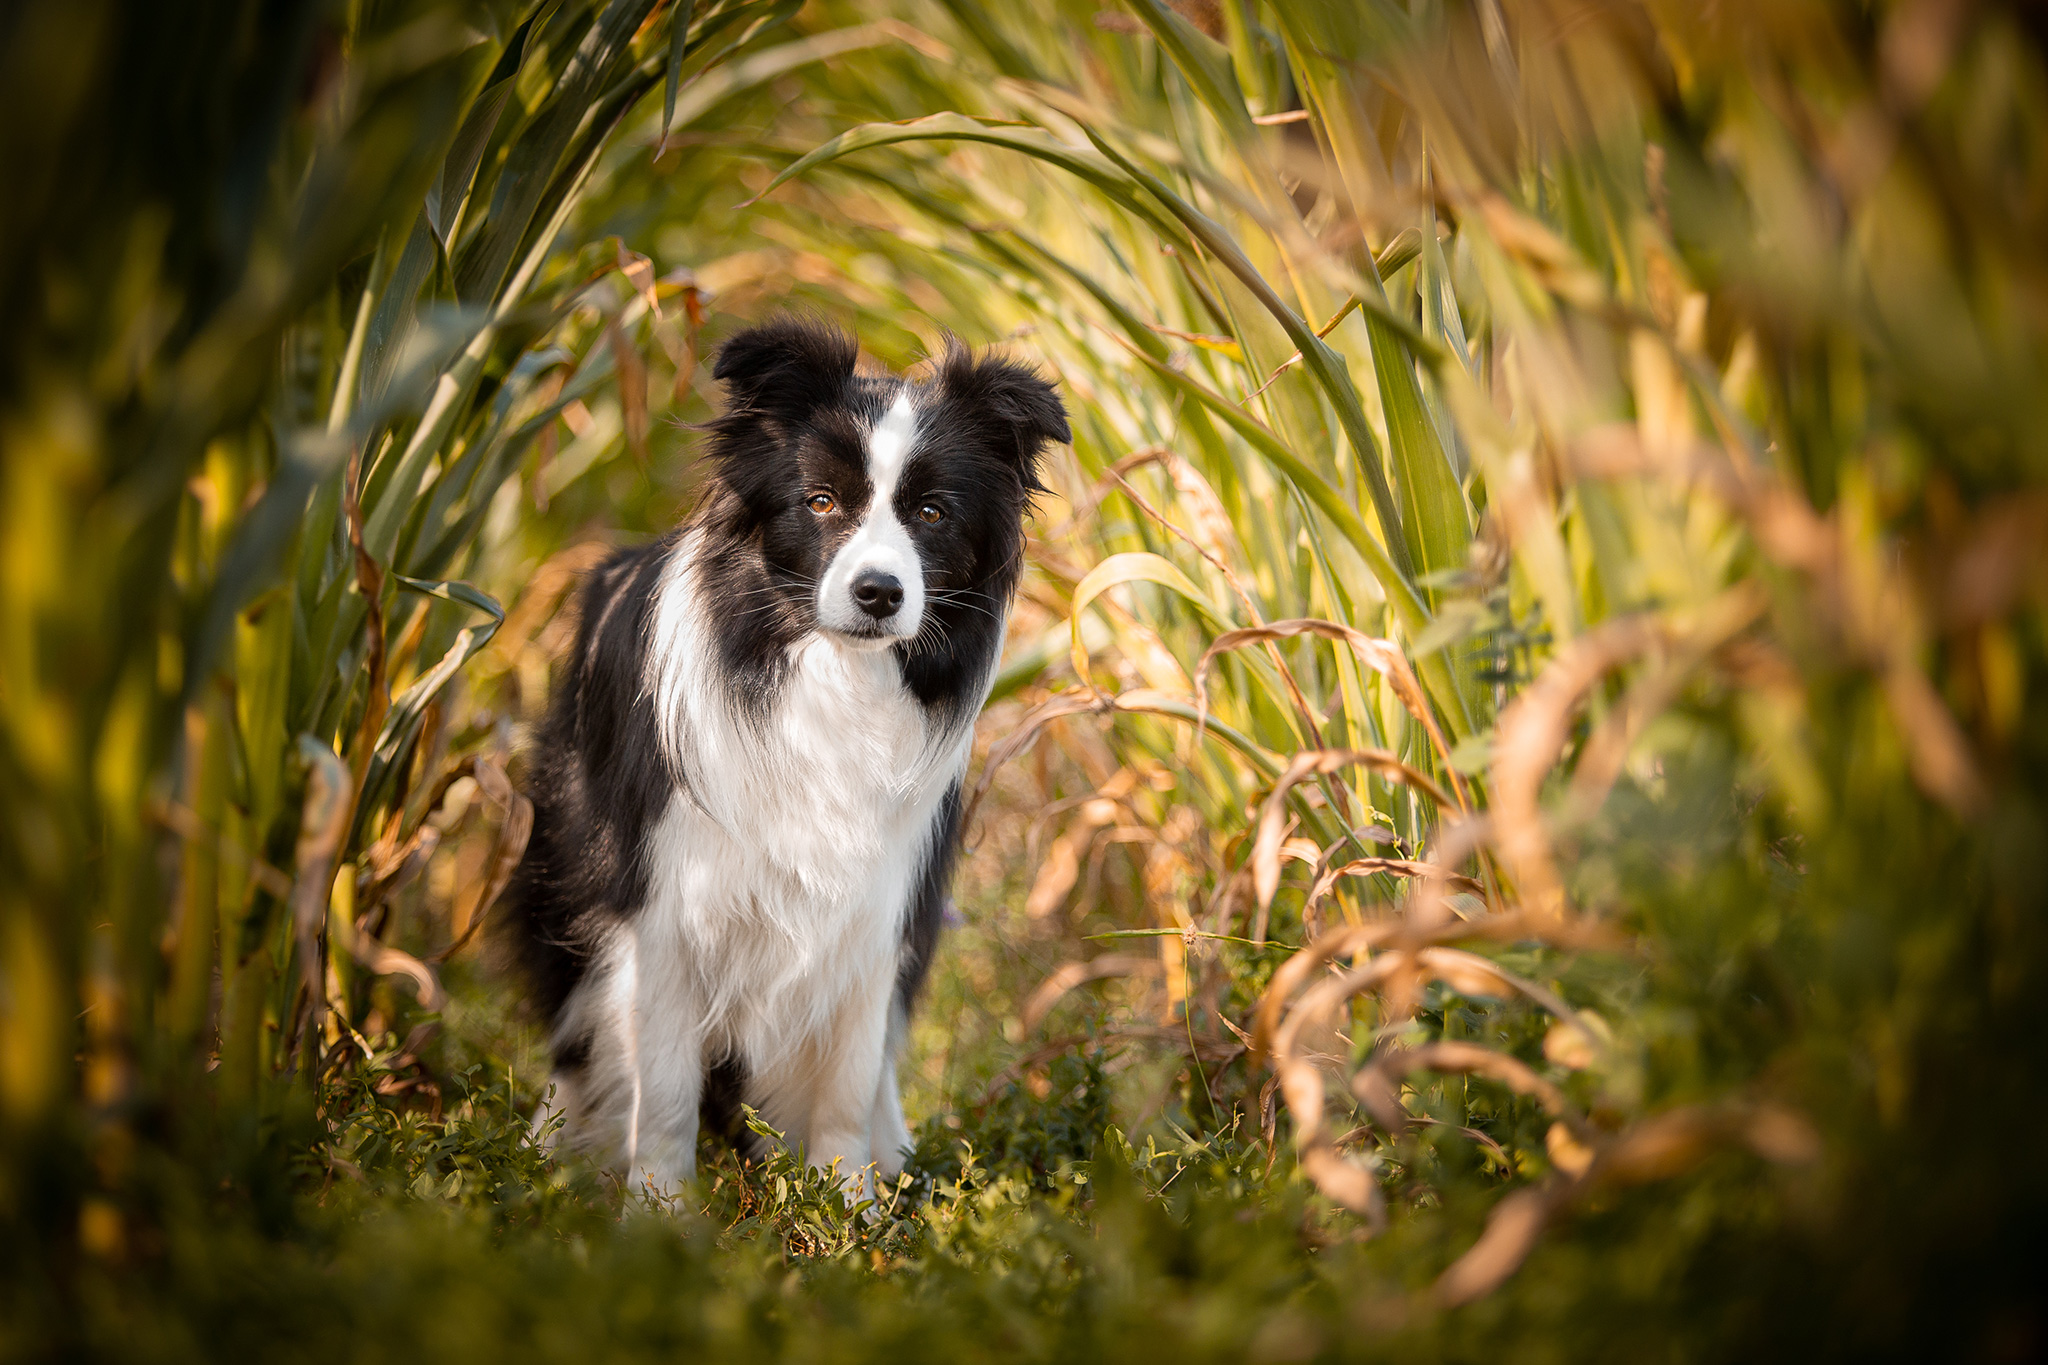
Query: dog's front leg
843,1107
888,1135
665,1060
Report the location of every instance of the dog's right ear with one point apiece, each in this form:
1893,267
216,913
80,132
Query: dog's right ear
785,367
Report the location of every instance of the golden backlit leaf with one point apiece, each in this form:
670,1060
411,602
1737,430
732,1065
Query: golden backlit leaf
1569,1045
1567,1153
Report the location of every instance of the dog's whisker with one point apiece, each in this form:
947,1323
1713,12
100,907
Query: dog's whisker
971,607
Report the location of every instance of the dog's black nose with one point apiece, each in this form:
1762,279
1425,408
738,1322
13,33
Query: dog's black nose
877,593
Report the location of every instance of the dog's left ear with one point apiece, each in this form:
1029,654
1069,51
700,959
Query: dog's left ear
786,367
1024,410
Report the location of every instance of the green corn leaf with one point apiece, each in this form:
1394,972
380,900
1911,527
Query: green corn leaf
734,78
394,503
1320,361
463,493
1153,703
392,323
408,709
1433,514
463,593
1205,63
604,54
1327,500
1092,167
256,558
678,46
976,19
1133,567
449,191
1409,607
263,664
1442,322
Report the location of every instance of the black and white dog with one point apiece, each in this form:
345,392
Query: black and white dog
747,789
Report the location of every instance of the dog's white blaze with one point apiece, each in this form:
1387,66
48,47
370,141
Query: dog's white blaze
880,541
790,860
889,444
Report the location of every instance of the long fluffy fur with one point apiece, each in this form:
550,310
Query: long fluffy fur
746,791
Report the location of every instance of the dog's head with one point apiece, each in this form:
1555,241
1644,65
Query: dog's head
877,510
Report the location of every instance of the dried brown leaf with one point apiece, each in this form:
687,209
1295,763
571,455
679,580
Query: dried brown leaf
1057,874
1530,735
1569,1045
1311,763
1512,1230
514,830
1382,656
1566,1152
632,372
639,273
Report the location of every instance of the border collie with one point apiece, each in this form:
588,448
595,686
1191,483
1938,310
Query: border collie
747,788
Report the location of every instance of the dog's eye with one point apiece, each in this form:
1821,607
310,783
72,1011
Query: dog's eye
821,503
931,514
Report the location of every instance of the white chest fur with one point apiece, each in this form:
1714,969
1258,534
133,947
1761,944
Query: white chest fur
782,872
780,876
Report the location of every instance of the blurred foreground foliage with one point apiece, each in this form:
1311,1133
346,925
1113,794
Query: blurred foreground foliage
1512,821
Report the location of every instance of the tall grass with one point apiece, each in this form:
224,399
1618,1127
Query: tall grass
1515,773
